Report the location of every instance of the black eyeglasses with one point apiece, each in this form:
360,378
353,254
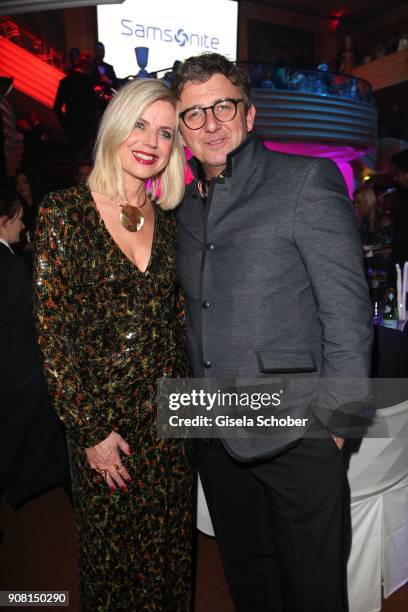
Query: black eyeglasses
223,110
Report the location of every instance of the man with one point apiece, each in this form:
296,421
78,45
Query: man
103,73
271,266
399,252
33,453
77,105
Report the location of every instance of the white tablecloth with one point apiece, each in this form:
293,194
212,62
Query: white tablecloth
378,477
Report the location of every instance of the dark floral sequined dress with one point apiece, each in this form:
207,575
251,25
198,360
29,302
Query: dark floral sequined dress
107,332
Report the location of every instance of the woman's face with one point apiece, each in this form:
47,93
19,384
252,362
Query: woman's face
10,229
146,151
23,187
362,206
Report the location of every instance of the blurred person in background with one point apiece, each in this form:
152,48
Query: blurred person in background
400,243
103,73
73,56
77,106
33,453
375,225
376,230
169,76
29,188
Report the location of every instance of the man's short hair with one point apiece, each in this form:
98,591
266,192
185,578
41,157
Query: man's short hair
201,68
400,160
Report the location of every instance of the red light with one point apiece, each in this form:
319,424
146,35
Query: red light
335,19
33,77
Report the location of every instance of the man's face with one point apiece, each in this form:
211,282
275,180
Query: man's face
99,52
212,143
10,229
401,177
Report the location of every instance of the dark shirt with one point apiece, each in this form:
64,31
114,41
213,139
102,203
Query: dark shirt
109,72
19,357
81,104
400,242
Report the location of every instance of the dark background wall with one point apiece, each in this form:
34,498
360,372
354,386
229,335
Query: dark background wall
267,42
64,28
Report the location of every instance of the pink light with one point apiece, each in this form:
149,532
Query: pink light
342,156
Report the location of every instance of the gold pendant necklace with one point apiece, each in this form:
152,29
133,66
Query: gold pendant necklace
131,218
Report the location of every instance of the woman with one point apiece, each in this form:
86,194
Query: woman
33,455
110,326
28,187
376,231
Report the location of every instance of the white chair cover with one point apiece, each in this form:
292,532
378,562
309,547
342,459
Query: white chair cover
378,477
204,523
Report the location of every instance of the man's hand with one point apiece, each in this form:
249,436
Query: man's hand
105,459
339,441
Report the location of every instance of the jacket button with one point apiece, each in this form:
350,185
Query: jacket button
210,246
206,304
207,364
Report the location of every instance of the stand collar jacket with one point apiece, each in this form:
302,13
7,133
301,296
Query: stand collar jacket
272,271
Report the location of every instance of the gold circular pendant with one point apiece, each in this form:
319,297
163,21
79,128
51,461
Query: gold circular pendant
131,218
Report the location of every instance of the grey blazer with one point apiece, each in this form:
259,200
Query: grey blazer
273,277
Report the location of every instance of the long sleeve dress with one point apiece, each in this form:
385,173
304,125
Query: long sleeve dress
107,332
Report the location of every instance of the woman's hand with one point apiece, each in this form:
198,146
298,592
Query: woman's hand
105,459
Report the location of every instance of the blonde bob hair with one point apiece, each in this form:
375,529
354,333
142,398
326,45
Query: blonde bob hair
118,121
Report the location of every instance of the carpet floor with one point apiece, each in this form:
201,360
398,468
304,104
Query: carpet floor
38,552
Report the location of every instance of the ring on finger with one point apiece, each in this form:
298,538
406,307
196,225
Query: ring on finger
118,466
104,473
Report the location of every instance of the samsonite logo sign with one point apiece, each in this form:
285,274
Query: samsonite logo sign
170,30
179,37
